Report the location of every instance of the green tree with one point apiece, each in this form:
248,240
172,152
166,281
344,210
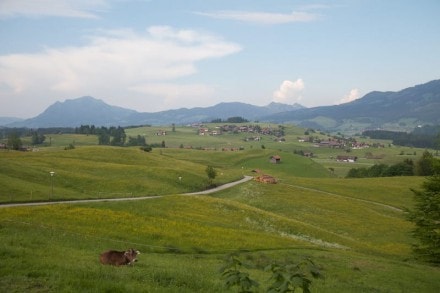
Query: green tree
281,129
136,141
104,138
426,217
147,148
14,141
37,138
424,166
236,119
212,173
377,170
118,136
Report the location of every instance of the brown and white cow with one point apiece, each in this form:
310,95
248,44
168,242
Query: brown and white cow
119,258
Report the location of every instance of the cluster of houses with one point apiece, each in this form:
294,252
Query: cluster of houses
161,132
23,148
346,159
338,143
231,128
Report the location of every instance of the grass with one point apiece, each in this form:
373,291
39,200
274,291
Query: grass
330,218
354,229
107,172
184,239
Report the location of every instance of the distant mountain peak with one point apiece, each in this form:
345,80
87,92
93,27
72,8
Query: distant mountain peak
419,104
75,112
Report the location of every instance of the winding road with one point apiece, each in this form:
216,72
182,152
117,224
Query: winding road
208,191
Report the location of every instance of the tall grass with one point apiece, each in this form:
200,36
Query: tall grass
331,219
354,229
183,240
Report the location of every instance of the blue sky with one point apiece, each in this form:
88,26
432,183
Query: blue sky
167,54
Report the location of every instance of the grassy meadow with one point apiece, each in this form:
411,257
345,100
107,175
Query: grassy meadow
355,230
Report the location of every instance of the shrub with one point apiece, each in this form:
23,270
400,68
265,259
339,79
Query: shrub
147,148
286,276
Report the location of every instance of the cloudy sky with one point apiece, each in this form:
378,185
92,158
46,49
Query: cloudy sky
153,55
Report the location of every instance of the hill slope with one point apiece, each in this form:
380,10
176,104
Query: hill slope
75,112
405,109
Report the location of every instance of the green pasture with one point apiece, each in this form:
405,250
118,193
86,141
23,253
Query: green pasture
64,140
334,218
108,172
94,172
359,246
355,230
187,137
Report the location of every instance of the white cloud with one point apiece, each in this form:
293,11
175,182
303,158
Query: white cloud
113,63
62,8
262,17
177,95
290,92
354,94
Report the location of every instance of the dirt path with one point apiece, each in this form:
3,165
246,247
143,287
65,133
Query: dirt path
221,187
224,186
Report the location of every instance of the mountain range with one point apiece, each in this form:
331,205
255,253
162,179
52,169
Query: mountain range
401,110
88,110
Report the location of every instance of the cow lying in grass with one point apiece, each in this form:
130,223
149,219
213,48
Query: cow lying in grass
119,258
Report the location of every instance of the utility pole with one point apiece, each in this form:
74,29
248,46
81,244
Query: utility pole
51,182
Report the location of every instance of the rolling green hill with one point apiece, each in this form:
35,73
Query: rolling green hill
358,245
107,172
355,230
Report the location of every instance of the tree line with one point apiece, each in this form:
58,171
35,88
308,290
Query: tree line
114,136
427,165
422,137
235,119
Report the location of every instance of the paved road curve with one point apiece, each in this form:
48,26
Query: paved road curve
225,186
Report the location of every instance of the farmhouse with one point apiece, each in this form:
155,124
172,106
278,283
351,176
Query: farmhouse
349,159
161,132
203,131
264,178
330,144
275,159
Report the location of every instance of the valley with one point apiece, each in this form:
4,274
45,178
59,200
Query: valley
354,229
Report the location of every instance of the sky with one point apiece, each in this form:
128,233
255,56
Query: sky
155,55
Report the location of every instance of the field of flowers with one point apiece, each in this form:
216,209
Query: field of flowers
184,239
355,230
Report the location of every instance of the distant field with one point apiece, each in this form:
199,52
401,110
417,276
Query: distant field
355,230
108,172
